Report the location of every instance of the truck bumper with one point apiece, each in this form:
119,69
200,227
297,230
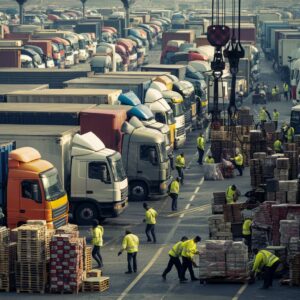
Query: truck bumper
113,209
180,141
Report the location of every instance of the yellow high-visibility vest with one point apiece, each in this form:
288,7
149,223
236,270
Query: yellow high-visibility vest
176,250
150,216
97,239
201,142
276,116
239,160
246,227
174,189
130,243
230,195
180,161
277,145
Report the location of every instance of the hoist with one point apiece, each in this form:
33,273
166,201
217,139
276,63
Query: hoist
221,36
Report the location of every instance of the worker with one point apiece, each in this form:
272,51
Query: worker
180,165
232,194
209,159
150,219
201,148
290,134
97,242
174,192
278,146
286,89
189,249
247,232
267,262
275,118
131,245
263,114
274,93
238,162
175,254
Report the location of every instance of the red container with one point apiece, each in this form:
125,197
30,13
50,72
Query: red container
10,58
202,41
106,124
45,45
17,36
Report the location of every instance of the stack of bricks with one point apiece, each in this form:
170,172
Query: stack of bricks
31,275
218,228
293,163
295,270
263,214
219,199
257,142
8,256
287,192
66,261
281,172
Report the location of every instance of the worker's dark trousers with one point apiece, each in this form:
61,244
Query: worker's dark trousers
174,198
97,256
269,274
248,241
180,174
200,154
239,168
276,125
286,96
173,261
187,264
132,257
150,228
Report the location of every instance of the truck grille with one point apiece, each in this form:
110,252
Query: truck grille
188,117
180,131
59,211
60,222
124,194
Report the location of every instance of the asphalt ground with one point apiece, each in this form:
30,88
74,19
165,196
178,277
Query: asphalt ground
191,219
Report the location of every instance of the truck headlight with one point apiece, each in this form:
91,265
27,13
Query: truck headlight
163,186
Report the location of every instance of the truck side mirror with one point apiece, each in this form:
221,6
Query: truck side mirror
152,157
35,192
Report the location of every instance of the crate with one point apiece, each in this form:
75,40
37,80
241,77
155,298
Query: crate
26,232
88,258
31,250
93,273
95,284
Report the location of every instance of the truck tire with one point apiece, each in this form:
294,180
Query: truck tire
138,191
85,213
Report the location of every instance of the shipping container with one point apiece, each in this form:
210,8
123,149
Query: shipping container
202,41
89,27
53,142
106,124
42,113
285,48
45,45
184,35
176,70
82,95
10,58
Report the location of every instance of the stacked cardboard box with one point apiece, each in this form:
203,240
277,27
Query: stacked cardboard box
31,275
295,270
223,259
244,117
219,199
8,257
232,213
288,229
218,228
66,262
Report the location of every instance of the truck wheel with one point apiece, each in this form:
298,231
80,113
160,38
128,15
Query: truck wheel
138,191
85,213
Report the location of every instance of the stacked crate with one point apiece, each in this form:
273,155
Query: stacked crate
87,258
31,275
294,246
8,256
94,282
219,199
218,228
287,191
66,263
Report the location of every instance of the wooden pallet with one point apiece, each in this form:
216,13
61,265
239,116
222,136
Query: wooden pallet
241,279
88,258
26,232
95,284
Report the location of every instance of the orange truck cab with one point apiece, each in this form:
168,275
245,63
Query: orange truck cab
30,188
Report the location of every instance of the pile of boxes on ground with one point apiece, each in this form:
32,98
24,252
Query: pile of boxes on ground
35,259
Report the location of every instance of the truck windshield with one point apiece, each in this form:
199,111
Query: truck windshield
52,185
82,44
116,164
163,152
178,109
170,117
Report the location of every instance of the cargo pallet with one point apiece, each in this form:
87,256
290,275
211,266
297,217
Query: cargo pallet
95,284
241,280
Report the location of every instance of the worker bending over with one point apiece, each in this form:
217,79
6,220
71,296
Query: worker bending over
267,262
180,166
232,194
175,254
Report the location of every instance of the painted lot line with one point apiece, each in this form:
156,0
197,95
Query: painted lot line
240,291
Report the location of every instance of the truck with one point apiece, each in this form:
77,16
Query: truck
149,175
285,48
10,54
92,174
87,96
30,188
177,70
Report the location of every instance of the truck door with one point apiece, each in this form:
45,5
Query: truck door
99,182
148,163
31,201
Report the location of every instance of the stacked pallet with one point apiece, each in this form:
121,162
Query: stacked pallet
218,228
287,191
94,282
8,256
31,275
263,214
232,213
66,263
219,199
288,229
221,259
295,270
87,258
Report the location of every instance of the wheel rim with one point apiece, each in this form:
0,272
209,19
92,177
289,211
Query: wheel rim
138,191
86,213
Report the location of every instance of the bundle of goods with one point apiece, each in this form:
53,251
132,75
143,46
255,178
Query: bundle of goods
287,191
219,199
263,214
244,117
294,246
295,270
293,163
94,282
31,266
257,168
227,168
66,262
232,212
8,256
212,172
281,172
288,229
218,228
257,142
221,259
282,212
